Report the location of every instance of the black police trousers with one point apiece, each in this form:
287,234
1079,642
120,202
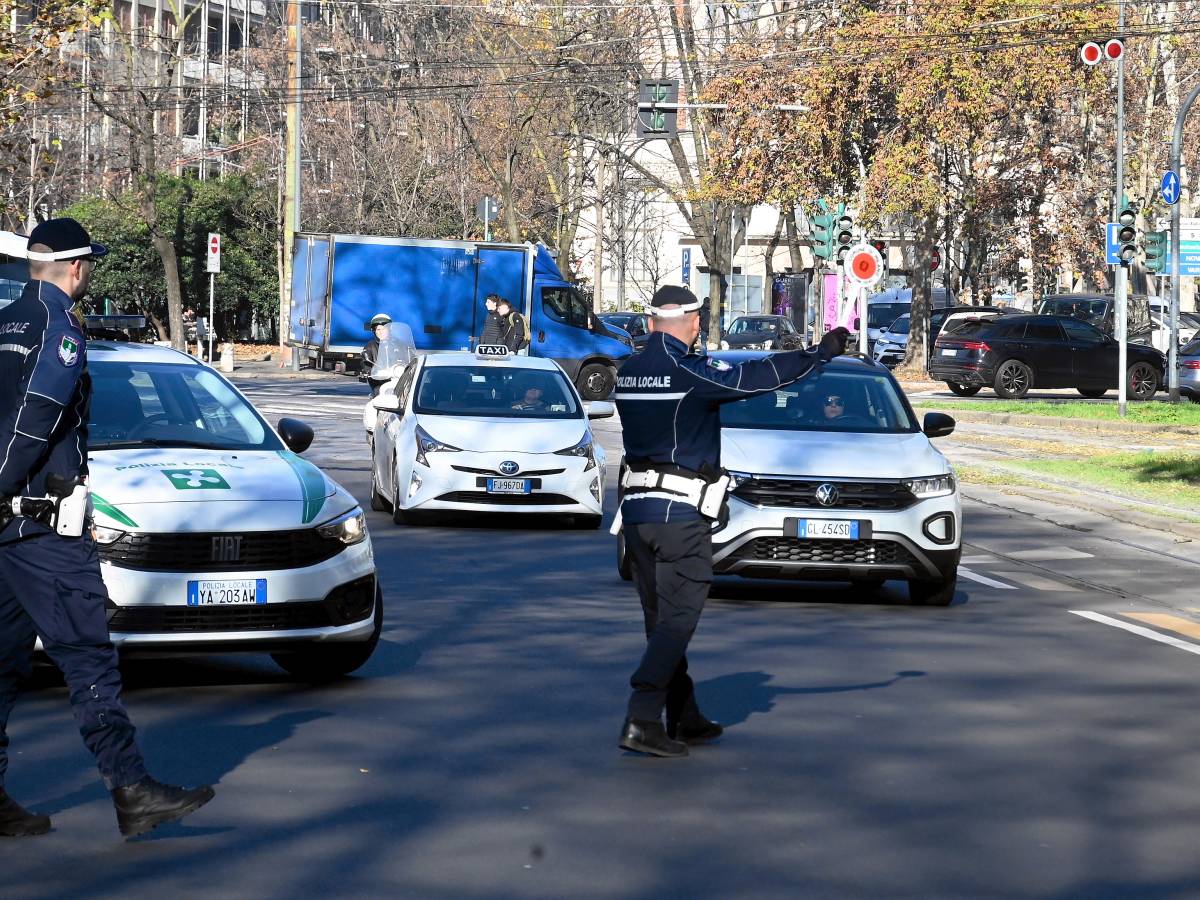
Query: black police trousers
50,587
672,567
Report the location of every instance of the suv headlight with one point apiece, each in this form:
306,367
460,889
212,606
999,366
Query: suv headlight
583,448
428,444
349,528
933,486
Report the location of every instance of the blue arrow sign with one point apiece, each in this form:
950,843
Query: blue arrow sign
1170,187
1110,244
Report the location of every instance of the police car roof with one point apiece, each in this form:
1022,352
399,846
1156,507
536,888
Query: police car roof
846,363
120,351
466,358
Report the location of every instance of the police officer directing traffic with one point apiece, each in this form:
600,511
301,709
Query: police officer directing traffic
50,585
669,401
379,326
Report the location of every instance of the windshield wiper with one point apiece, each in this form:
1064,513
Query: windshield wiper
162,442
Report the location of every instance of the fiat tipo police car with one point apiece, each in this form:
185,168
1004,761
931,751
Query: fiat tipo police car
486,432
213,533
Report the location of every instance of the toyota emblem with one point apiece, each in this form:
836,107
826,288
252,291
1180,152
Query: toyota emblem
508,467
827,494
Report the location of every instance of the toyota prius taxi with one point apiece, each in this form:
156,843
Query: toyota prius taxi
213,533
486,432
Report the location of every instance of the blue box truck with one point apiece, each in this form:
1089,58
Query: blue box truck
437,288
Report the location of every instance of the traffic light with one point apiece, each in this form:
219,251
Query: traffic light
820,231
651,121
843,236
1155,246
1127,234
881,247
1021,285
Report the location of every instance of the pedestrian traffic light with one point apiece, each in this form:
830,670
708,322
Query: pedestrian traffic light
652,120
1155,247
1127,234
843,237
820,231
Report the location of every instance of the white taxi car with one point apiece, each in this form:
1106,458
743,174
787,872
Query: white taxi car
486,432
835,480
213,534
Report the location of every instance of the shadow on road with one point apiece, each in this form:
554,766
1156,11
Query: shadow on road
732,699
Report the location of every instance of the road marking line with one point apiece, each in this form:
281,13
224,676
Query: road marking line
1037,582
982,559
1179,625
1137,629
1049,554
984,580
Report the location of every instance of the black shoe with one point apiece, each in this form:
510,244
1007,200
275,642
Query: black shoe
650,737
149,803
16,821
698,730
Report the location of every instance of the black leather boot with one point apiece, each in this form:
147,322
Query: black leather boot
16,821
149,803
692,727
650,737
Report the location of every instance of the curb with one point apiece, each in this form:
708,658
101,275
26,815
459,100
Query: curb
971,415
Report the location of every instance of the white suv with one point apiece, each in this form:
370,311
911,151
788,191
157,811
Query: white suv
835,480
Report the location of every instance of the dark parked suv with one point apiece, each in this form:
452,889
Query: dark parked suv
1015,353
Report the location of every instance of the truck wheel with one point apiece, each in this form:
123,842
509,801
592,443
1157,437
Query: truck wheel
596,381
327,662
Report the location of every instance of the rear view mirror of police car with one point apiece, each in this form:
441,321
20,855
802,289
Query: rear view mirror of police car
600,409
385,402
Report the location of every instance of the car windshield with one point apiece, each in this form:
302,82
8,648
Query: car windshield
880,314
831,400
900,326
136,404
754,326
1192,349
1189,320
1087,309
493,392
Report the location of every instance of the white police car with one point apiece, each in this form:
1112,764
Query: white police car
213,534
835,480
486,432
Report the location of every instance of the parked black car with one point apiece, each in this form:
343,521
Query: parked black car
761,333
1015,353
635,324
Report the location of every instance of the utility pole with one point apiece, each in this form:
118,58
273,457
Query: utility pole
1120,288
291,195
1177,168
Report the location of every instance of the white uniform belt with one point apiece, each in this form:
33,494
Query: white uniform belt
690,490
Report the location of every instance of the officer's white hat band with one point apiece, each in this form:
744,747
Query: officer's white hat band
56,255
675,312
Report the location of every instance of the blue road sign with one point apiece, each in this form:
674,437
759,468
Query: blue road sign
1111,245
687,266
1170,187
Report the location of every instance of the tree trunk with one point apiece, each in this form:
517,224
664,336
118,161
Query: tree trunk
148,207
918,334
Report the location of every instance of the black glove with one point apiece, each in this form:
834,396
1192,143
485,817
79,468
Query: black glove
833,344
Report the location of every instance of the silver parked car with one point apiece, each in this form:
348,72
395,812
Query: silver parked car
1189,371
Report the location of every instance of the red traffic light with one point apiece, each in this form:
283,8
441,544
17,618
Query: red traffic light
1114,49
1091,53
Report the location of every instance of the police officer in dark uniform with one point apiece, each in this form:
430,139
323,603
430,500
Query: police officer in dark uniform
669,401
50,585
378,325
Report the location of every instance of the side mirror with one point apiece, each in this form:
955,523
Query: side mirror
600,409
937,425
385,402
296,434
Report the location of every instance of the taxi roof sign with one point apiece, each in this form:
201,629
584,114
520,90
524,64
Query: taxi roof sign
491,351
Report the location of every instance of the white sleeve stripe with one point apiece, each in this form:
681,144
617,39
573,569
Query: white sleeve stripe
32,437
54,400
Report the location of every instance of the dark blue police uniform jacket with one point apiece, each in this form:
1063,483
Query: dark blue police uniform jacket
669,400
45,392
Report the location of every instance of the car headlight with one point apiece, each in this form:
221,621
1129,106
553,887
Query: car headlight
583,448
349,528
428,444
933,486
106,536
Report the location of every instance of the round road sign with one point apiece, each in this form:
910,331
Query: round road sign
864,265
1113,49
1091,53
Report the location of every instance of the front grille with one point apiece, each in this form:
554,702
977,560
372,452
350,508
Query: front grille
528,473
833,552
193,552
877,495
193,619
507,499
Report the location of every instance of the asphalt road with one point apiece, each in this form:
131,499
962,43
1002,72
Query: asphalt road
1003,747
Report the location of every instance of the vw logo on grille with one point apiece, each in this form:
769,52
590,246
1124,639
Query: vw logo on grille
827,494
508,467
